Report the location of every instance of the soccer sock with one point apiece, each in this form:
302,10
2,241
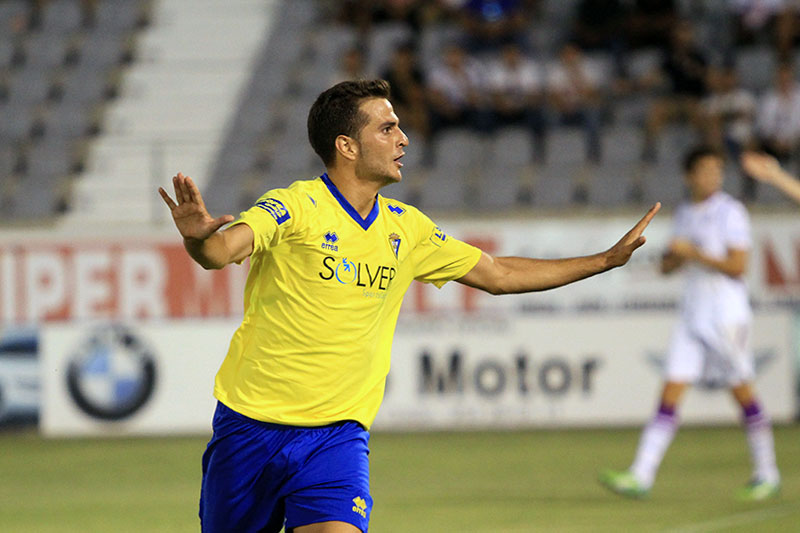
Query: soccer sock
655,440
761,443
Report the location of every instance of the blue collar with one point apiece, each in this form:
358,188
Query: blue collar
365,223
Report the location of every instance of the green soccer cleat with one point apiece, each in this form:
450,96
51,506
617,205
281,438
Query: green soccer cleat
756,491
623,483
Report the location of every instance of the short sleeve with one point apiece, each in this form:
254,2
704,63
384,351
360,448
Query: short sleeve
273,217
737,228
680,223
439,258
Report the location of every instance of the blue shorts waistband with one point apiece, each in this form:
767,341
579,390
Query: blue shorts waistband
225,411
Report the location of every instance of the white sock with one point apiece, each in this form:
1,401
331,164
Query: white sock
762,445
655,440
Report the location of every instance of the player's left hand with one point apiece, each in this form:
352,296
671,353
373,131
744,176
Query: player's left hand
620,253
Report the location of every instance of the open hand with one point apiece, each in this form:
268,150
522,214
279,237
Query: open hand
189,213
620,253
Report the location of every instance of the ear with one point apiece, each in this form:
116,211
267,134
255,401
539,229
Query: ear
347,147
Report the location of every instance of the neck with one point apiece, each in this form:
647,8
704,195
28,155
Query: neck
360,193
699,198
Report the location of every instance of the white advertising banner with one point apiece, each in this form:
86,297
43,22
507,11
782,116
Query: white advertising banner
447,372
574,370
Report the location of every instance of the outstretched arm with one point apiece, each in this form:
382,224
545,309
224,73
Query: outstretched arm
508,275
209,247
766,168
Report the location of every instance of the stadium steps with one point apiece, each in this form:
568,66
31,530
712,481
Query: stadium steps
268,127
173,109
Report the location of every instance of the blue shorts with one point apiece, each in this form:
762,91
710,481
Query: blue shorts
261,477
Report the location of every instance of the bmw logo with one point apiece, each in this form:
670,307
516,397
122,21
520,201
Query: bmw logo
112,374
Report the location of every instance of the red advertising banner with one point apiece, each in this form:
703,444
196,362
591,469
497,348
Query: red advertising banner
50,278
58,281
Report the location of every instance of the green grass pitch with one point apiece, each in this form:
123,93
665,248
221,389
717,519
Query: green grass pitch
516,481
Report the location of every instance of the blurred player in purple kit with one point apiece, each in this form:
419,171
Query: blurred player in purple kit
711,241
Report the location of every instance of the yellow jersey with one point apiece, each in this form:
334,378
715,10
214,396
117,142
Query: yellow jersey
321,302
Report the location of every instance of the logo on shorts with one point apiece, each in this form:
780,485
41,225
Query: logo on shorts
360,506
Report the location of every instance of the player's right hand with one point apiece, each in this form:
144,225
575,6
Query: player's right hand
189,212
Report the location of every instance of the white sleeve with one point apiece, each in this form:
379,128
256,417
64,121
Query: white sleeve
680,223
737,228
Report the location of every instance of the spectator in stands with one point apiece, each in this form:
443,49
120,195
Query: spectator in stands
765,20
682,75
364,14
412,13
352,66
490,24
650,23
778,116
598,26
729,112
456,92
575,90
408,89
516,89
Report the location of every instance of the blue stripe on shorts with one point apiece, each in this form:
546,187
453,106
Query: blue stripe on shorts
259,476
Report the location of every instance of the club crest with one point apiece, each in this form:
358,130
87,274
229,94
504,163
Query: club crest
394,242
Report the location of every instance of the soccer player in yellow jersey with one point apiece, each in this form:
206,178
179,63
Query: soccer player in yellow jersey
330,261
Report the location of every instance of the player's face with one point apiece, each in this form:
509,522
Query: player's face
705,178
381,143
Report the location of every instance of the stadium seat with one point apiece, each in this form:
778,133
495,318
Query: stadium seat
512,147
756,66
611,184
61,17
384,39
499,187
556,184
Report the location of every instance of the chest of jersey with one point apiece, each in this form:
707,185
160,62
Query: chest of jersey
340,257
706,229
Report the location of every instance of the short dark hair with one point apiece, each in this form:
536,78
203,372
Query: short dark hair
337,112
696,154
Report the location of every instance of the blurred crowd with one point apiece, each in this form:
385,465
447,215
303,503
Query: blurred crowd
493,71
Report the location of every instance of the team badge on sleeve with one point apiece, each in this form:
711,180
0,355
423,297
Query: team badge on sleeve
438,237
394,242
276,209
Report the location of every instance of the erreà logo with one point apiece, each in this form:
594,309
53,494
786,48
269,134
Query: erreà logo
360,506
330,241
